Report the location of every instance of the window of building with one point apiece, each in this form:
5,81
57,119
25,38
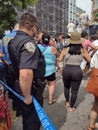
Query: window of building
20,9
61,4
50,18
45,26
51,9
50,28
59,29
56,2
39,5
38,14
61,13
53,1
56,12
45,16
30,10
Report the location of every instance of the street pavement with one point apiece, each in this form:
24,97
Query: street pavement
59,114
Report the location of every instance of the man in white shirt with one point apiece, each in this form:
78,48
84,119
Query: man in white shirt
84,19
79,29
71,27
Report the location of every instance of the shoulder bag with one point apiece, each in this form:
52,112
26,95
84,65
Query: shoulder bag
92,85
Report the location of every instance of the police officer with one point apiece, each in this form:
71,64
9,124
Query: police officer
24,56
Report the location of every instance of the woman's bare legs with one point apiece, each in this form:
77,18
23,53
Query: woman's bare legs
94,114
52,85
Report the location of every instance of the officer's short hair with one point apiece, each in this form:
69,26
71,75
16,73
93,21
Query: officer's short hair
27,21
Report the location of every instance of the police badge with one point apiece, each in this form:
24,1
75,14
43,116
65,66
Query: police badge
30,47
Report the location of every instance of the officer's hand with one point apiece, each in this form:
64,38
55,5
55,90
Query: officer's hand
28,100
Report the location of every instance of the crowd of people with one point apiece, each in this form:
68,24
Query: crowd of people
29,60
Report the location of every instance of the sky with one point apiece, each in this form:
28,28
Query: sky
85,5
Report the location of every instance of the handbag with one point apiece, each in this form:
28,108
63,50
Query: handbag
92,85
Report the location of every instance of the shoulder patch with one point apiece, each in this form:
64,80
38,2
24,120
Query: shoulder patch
30,47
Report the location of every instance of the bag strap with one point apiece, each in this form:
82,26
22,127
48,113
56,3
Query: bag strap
93,53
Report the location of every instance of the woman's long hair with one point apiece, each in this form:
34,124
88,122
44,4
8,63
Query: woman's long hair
45,38
75,49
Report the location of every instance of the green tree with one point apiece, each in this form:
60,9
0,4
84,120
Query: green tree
8,14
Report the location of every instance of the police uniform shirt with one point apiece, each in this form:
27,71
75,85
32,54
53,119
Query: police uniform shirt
28,54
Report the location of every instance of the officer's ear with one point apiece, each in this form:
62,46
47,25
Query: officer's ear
34,28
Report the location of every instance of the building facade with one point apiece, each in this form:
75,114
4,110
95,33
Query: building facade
72,10
52,15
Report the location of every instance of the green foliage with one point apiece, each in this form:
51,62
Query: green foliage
24,3
8,14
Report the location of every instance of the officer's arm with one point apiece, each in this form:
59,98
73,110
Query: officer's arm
28,63
25,80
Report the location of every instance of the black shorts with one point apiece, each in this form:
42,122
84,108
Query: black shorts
51,77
